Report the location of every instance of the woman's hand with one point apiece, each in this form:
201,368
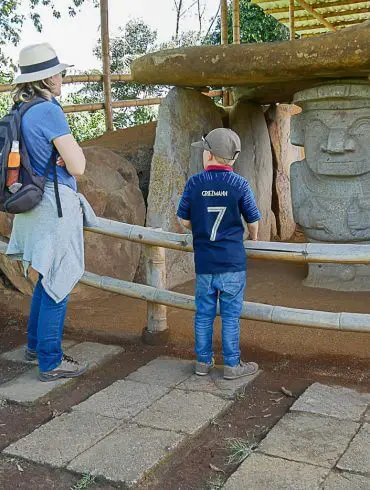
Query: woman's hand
60,162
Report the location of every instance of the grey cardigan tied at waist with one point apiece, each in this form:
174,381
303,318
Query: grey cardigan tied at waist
53,246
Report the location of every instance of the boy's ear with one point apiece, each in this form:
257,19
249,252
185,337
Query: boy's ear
210,156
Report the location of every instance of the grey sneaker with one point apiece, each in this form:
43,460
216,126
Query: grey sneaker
202,368
242,369
68,368
30,355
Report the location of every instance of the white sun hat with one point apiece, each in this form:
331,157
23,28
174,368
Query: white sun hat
37,62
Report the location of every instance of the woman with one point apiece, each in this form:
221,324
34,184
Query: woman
52,245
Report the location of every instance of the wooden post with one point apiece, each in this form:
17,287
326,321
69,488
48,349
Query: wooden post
291,20
106,65
156,331
224,41
236,22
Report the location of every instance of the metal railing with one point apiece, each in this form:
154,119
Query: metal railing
158,298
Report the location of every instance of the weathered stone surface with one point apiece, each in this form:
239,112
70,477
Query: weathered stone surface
14,273
255,160
346,481
215,384
184,116
309,439
343,54
17,355
260,472
63,438
283,155
27,388
136,145
329,201
123,399
166,372
334,401
196,410
111,186
357,456
127,454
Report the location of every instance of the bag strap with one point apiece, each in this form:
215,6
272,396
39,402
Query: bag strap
52,164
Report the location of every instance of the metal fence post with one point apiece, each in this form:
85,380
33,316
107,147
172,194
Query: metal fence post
156,332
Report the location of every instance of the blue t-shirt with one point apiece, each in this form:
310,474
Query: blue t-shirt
214,202
40,126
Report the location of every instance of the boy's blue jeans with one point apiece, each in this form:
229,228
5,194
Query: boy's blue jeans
45,328
228,287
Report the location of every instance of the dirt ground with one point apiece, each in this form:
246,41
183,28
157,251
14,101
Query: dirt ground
292,357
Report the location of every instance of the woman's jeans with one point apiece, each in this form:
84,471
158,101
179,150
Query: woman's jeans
45,328
228,287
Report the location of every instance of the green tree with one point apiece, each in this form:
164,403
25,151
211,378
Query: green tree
255,26
133,40
12,18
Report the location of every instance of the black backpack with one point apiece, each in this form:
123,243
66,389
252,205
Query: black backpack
32,189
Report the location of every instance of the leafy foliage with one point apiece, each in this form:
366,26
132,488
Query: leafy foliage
255,26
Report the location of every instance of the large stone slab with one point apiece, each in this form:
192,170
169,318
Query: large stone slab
283,155
63,438
27,388
346,481
309,439
255,160
127,454
260,472
167,372
123,399
182,411
357,456
184,116
334,401
215,384
277,69
17,355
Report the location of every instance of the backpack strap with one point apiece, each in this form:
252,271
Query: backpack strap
52,164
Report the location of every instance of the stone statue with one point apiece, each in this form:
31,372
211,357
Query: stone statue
331,187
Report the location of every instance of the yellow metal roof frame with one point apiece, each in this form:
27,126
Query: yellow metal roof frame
315,17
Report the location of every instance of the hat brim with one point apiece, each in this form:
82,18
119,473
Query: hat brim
41,75
198,144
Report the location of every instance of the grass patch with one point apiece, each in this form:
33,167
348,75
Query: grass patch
85,482
239,450
216,482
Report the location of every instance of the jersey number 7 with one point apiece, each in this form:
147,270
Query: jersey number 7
221,211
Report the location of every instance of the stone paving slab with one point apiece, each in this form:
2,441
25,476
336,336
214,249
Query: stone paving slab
17,355
182,411
63,438
261,472
357,456
215,384
334,401
93,352
346,481
27,388
123,399
164,371
309,439
127,454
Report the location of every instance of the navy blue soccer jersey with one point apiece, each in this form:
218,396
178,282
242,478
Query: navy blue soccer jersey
215,201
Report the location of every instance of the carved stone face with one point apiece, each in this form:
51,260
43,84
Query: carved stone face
337,141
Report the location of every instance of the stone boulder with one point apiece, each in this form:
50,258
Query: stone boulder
184,116
284,154
111,185
255,160
136,145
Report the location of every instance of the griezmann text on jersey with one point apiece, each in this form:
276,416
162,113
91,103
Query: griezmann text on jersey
215,202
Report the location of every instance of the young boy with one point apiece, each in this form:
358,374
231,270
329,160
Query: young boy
211,206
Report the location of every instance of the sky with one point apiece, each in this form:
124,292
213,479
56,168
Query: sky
75,38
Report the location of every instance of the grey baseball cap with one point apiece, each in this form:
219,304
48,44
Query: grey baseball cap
222,142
